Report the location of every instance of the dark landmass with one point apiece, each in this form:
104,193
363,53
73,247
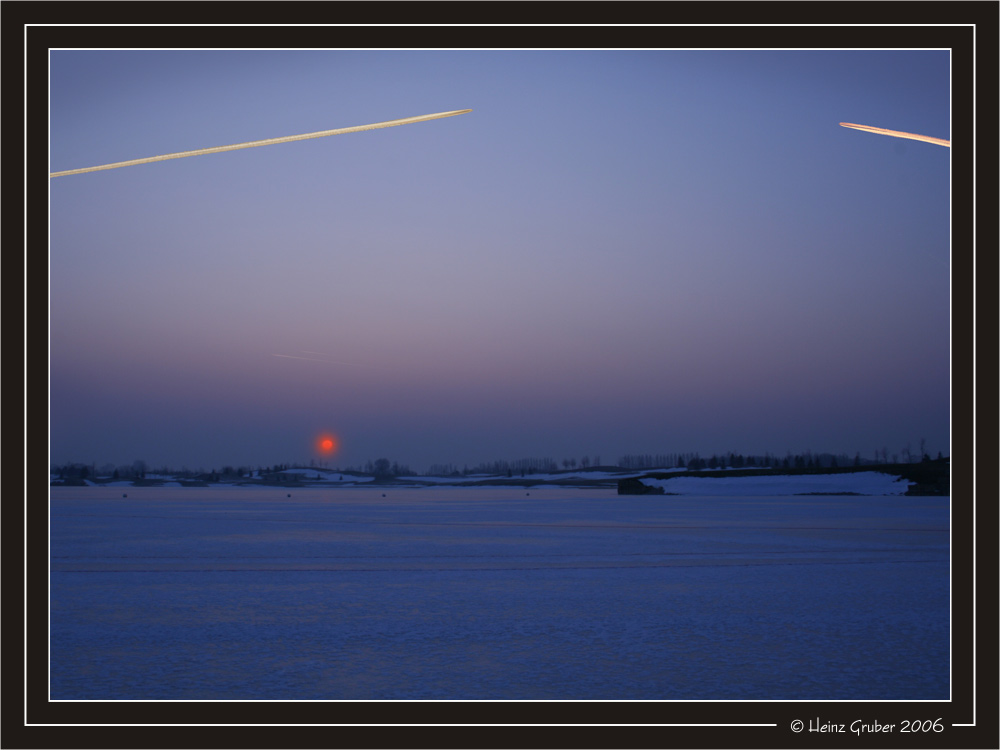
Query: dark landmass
636,487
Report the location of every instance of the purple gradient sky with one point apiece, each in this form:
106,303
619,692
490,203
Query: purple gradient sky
615,252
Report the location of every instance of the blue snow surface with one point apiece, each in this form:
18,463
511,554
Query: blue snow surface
495,594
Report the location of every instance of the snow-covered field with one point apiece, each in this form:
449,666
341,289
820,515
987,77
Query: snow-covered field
857,483
496,593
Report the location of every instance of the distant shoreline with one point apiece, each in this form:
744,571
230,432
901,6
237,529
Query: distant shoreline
928,478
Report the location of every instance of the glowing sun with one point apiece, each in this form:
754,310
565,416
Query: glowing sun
326,444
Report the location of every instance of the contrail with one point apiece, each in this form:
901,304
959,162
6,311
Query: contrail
292,356
897,134
266,142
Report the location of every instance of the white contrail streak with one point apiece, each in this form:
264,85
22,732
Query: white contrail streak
897,134
266,142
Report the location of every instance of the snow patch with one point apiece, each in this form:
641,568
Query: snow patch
858,483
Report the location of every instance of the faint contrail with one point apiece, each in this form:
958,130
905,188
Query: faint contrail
897,134
267,142
292,356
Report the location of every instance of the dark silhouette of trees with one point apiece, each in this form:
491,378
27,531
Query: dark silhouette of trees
384,468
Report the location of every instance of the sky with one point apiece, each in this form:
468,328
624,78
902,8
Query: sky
615,252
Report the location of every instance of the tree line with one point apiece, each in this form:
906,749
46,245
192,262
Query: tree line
806,460
384,468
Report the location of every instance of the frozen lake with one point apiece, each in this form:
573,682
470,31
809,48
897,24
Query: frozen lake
488,593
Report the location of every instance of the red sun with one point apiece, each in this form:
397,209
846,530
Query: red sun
326,444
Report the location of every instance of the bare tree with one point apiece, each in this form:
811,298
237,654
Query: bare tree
382,467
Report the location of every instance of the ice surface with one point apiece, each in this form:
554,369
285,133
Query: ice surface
455,593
